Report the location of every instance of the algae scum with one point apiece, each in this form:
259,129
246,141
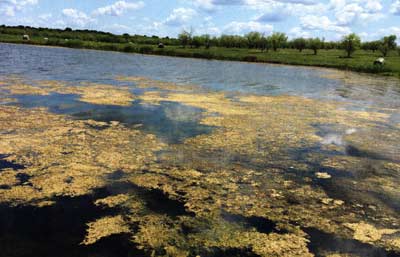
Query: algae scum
145,167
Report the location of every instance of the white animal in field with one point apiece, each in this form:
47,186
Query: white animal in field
379,61
26,37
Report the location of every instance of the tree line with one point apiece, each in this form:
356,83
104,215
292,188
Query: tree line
252,40
277,40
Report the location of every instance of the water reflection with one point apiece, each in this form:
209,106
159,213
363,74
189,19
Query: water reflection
171,121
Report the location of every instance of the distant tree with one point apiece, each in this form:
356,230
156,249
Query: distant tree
206,40
371,46
265,43
315,44
278,40
386,44
184,38
299,44
350,43
254,39
197,41
68,29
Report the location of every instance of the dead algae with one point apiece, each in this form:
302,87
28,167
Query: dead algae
256,163
89,92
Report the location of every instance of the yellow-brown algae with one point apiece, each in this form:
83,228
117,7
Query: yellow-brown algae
8,178
112,201
367,233
66,157
243,167
24,89
143,82
105,94
89,92
105,227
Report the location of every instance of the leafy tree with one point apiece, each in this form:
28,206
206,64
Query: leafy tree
206,40
315,44
330,45
278,39
350,43
386,44
372,46
299,44
197,41
265,43
184,38
254,39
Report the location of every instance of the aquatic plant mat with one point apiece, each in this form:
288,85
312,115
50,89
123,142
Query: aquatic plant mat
228,175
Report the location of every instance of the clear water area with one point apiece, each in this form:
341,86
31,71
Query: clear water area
102,67
172,122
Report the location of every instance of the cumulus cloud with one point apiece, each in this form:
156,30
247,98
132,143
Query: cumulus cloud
213,5
395,7
274,15
119,8
297,32
9,8
241,28
348,12
76,17
322,23
179,17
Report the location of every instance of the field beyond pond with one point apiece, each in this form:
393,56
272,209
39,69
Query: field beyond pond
362,61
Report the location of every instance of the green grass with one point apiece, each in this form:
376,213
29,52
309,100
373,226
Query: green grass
361,61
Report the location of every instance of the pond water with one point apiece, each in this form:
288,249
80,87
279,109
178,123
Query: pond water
269,153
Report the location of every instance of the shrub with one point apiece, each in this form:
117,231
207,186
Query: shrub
129,49
249,58
74,43
145,49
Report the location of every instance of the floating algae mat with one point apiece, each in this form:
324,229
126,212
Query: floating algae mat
144,167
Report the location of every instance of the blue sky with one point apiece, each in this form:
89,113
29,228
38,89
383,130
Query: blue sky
330,19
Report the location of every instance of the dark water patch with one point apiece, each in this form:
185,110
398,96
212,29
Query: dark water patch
116,175
23,178
171,121
155,200
261,224
321,243
357,152
230,252
58,230
4,164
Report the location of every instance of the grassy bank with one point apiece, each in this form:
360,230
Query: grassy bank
361,61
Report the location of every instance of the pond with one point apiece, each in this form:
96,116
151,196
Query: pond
113,154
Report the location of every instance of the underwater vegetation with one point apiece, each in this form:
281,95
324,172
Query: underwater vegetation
275,176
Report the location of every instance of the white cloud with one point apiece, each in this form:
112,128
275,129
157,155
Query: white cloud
179,17
395,7
76,17
206,5
348,12
213,5
378,34
9,8
298,32
241,28
322,23
119,8
273,15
